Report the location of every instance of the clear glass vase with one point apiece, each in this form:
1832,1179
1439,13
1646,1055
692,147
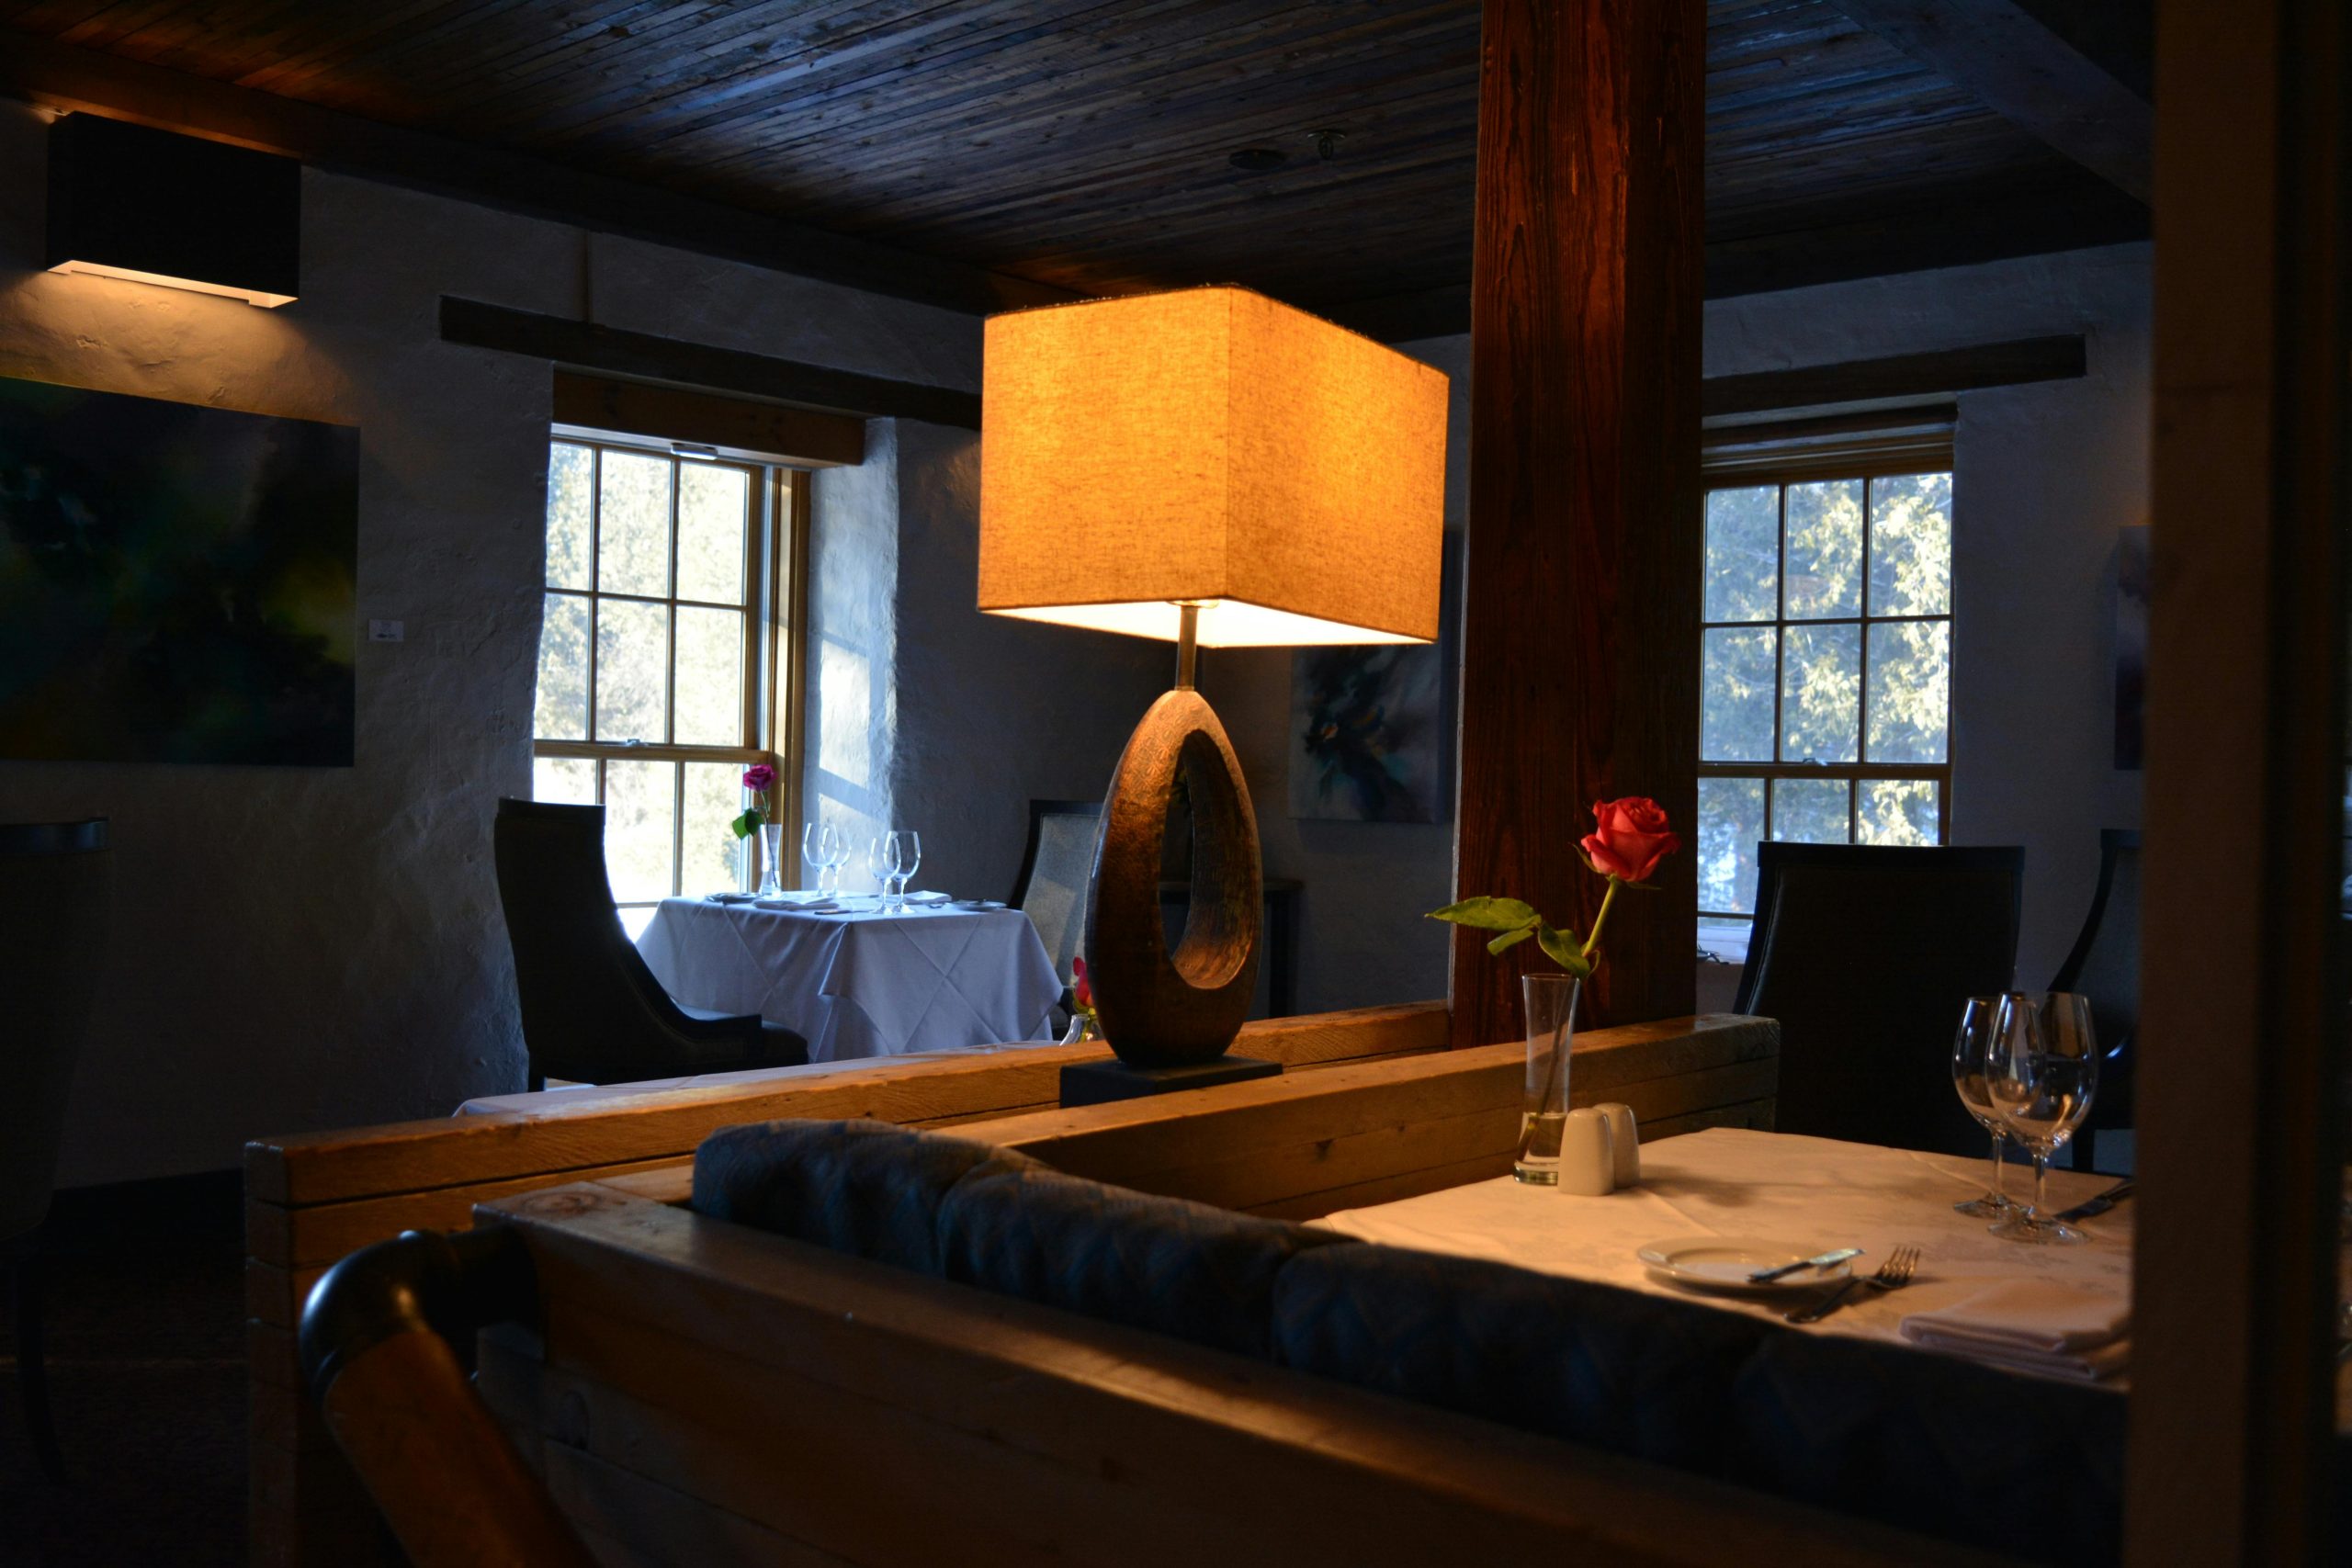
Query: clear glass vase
771,856
1551,1008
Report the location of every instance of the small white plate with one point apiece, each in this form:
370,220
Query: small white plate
978,906
1724,1265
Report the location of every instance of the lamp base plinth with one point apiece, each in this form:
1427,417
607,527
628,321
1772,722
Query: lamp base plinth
1098,1083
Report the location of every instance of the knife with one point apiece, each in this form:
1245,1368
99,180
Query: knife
2099,1205
1766,1276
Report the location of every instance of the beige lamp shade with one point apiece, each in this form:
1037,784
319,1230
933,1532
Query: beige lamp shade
1213,446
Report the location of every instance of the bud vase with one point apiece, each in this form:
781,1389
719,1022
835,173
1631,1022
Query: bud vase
1551,1007
771,856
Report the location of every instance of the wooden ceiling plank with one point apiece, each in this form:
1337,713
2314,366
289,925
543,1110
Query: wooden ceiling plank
2028,73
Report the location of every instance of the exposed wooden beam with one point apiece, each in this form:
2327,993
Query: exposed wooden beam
59,76
2028,76
1898,377
1580,640
583,346
731,426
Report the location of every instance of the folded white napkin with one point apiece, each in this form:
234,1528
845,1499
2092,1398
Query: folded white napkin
799,896
810,904
925,900
2033,1325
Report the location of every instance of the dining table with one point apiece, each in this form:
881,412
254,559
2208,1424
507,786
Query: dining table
856,979
1804,1195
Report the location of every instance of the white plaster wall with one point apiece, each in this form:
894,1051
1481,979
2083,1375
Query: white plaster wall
302,949
2044,477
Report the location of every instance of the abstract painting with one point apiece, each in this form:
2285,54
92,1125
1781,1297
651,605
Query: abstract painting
175,581
1372,729
2131,647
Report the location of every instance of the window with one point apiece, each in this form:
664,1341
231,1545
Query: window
663,659
1826,673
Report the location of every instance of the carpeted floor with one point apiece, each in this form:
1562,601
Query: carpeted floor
146,1370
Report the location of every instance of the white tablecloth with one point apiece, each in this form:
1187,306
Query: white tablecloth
1734,1184
860,983
574,1099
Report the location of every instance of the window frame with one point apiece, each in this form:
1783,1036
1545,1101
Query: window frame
1894,456
775,617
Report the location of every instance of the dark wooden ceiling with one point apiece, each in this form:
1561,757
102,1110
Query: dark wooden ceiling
1085,145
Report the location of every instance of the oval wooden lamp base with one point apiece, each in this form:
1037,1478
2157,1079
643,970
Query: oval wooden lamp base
1159,1009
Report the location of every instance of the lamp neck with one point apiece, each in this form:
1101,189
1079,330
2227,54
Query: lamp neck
1188,646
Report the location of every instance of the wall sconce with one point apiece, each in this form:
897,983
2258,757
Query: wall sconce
128,201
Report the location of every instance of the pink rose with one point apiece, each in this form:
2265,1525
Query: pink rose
759,776
1631,839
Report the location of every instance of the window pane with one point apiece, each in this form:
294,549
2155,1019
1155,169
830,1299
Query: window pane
567,781
1743,554
1736,696
714,855
714,511
711,677
1910,691
633,524
571,471
640,815
632,659
1809,811
1821,690
1911,545
1896,811
562,709
1731,820
1825,553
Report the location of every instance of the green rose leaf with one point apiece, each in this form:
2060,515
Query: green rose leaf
747,824
1510,939
1565,951
1489,914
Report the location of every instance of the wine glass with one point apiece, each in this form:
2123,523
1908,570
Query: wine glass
820,846
837,857
1979,1026
2040,1073
877,866
905,852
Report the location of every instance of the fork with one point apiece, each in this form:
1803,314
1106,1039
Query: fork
1893,1275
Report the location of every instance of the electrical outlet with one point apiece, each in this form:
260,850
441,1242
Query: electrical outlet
387,631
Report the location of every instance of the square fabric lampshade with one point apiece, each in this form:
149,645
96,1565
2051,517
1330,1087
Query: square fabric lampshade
1210,445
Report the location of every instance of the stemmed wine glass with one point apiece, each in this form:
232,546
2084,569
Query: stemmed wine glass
1979,1028
2040,1073
825,851
903,852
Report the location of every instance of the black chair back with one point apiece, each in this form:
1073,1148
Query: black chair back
1056,869
56,904
592,1010
2105,967
1865,953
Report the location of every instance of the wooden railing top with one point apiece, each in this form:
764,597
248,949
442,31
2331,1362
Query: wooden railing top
402,1156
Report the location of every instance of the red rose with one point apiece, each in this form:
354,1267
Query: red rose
759,776
1631,839
1078,987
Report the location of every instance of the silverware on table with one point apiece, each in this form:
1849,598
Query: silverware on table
1893,1275
2099,1205
1826,1260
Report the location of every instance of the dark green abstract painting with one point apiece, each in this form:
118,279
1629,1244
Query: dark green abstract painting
175,581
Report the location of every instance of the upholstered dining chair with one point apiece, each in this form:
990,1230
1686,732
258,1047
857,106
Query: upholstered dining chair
1054,870
56,902
2105,967
592,1010
1865,953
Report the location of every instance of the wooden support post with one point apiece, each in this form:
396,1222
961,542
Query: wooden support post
1580,659
2235,1267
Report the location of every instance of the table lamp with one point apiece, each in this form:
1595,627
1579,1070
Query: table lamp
1210,468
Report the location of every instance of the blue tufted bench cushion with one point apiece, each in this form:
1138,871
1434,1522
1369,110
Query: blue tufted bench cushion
2022,1465
867,1189
1181,1268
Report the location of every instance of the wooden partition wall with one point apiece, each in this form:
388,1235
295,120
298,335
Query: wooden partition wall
310,1200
